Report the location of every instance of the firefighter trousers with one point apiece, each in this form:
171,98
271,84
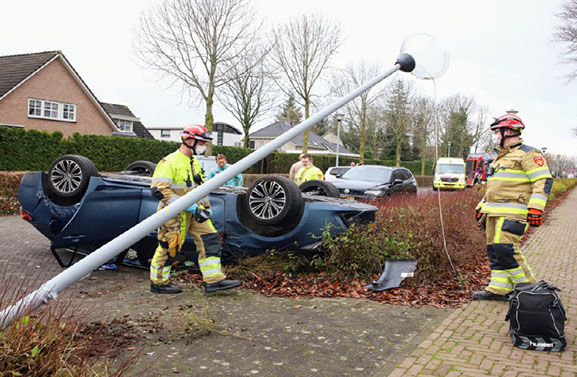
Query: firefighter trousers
207,244
508,264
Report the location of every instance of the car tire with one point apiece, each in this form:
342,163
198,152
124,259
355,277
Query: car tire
141,168
68,178
273,200
321,188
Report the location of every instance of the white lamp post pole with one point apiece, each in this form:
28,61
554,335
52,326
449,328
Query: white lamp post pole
339,117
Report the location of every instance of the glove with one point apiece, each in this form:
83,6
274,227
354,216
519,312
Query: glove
535,217
174,244
481,220
478,215
193,209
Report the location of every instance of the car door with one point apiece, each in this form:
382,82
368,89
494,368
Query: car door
409,182
398,187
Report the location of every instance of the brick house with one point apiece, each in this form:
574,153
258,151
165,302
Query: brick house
43,91
126,121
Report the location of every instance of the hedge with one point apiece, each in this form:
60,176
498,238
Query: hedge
30,150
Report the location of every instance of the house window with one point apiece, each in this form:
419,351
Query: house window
51,110
164,133
124,125
261,143
34,107
251,144
69,111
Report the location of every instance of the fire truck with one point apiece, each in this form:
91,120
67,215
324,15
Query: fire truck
476,167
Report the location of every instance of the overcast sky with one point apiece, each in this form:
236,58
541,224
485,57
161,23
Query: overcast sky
501,53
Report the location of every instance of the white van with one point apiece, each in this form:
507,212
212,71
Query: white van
449,174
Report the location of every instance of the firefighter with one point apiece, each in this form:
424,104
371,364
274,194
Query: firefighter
308,171
175,175
518,185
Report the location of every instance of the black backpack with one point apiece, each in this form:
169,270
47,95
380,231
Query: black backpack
537,317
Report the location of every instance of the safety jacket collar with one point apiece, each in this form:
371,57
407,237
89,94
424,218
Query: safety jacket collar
182,156
509,148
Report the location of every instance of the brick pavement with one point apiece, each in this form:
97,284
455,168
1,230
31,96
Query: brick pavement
24,253
26,262
474,339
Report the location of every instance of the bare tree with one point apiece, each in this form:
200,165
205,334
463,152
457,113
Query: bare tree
455,124
480,129
246,90
302,50
424,116
566,34
345,81
189,41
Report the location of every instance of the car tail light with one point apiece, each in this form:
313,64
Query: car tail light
25,215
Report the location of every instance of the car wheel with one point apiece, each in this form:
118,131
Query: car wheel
321,188
273,199
141,168
68,178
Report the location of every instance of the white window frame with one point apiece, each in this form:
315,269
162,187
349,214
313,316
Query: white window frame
165,133
124,125
52,110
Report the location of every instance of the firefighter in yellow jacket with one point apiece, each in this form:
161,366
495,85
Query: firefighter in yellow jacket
518,186
176,175
308,171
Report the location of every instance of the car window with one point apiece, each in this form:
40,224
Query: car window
450,168
338,170
208,163
369,173
406,174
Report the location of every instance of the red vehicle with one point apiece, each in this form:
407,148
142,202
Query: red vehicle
477,165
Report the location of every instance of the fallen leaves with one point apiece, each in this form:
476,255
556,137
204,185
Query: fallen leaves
447,290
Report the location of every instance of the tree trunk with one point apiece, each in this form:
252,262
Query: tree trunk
208,118
399,139
306,133
423,153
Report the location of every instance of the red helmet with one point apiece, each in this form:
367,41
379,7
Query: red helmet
197,132
508,121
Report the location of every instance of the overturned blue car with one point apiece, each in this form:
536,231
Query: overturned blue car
79,210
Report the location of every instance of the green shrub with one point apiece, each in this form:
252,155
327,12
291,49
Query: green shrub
408,228
30,150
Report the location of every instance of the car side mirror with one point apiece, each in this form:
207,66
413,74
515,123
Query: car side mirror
338,175
397,181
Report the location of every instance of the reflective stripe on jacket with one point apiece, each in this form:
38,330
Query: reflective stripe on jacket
520,180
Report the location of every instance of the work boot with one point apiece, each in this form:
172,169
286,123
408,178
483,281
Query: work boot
221,285
486,295
166,288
